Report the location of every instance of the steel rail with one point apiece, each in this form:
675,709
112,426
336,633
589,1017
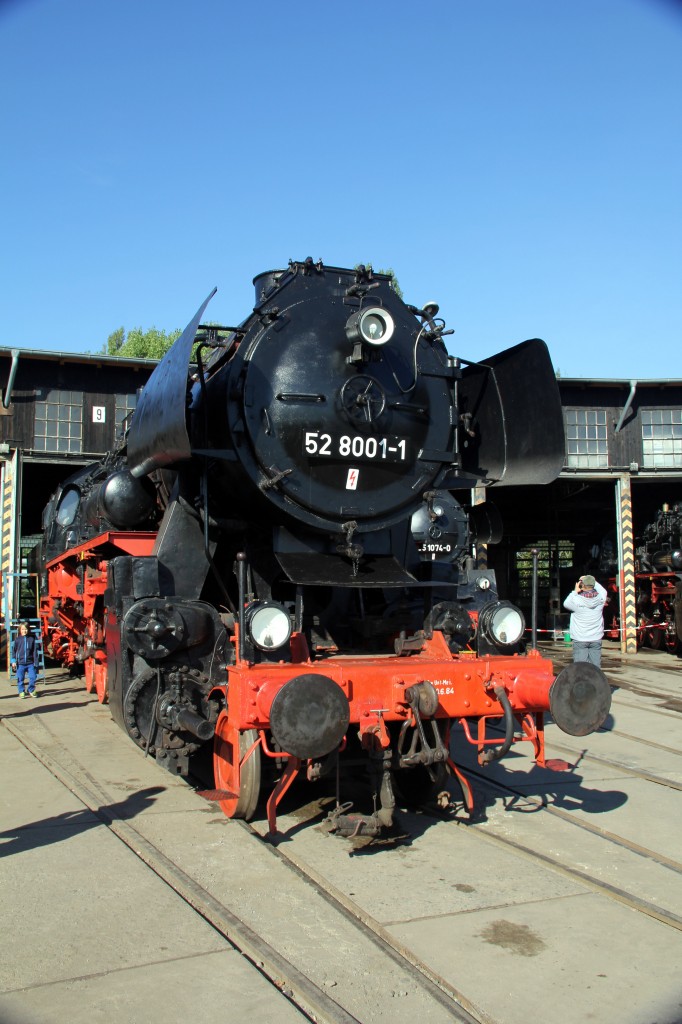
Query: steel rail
640,739
666,712
311,1000
438,987
302,992
636,773
605,888
635,902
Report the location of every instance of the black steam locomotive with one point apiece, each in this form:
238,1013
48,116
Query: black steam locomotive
660,547
659,579
273,558
658,576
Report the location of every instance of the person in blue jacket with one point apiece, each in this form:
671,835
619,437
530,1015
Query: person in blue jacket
24,659
586,605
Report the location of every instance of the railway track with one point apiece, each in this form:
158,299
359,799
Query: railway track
436,923
547,802
668,706
591,880
638,739
394,964
597,759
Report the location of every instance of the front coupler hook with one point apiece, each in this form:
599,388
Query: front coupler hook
423,700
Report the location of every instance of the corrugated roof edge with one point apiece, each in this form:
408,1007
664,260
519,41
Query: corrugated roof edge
74,357
79,357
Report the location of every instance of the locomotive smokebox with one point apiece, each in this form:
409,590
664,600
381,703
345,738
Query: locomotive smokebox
309,716
580,698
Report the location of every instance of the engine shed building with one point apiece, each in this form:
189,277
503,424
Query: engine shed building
623,462
59,411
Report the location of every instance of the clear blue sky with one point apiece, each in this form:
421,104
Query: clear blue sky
518,161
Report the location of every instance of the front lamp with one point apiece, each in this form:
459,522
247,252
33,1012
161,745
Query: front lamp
502,624
373,325
268,625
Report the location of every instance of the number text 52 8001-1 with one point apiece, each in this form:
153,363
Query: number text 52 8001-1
355,446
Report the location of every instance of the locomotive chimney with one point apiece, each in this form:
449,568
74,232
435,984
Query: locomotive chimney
266,283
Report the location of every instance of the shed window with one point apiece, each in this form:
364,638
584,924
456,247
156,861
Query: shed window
586,440
662,438
58,423
125,405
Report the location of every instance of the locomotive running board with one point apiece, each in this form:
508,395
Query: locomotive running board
320,569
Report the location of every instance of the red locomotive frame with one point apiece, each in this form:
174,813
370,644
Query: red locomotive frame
72,610
422,694
468,687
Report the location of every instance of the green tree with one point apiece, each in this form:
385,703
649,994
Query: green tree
139,344
391,273
114,342
394,280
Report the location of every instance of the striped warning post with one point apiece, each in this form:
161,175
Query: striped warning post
627,587
6,541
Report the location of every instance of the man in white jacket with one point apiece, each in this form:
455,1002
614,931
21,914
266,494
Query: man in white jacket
586,605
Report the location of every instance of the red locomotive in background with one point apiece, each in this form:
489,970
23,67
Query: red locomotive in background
658,564
274,561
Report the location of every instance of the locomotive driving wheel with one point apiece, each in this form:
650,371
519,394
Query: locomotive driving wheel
96,678
671,643
650,632
94,664
238,780
654,637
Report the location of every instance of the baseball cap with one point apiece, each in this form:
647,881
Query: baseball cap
588,581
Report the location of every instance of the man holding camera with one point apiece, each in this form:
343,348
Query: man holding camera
586,605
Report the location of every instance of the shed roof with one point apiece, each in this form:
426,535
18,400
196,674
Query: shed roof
99,358
104,359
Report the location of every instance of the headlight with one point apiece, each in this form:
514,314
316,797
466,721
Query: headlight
268,625
502,623
372,325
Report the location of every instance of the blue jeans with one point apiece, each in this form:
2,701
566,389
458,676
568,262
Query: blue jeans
587,650
21,672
